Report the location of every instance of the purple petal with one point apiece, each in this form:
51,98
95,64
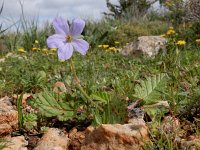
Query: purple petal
80,45
65,52
61,26
77,27
55,41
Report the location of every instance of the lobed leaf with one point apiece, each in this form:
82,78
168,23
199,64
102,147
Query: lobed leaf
49,106
151,89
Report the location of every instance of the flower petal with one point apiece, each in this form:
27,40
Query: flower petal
77,27
61,26
80,45
65,52
55,41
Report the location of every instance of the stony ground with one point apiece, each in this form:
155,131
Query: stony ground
129,136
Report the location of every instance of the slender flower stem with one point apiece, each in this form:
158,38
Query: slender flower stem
74,72
78,85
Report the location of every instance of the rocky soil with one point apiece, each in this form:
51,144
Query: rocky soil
129,136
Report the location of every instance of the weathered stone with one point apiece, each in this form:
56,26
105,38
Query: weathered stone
72,133
116,137
147,45
24,98
9,55
137,122
8,117
77,138
160,104
5,129
59,87
89,129
17,143
53,139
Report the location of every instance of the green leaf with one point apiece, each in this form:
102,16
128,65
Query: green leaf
151,89
19,109
157,110
41,75
101,96
30,120
50,106
98,119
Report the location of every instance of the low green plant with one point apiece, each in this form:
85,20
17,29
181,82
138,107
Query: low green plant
19,110
160,139
150,92
151,89
51,104
30,121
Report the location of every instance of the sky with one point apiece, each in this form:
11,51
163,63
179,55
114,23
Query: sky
49,9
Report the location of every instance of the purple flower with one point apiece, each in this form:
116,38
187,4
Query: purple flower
67,39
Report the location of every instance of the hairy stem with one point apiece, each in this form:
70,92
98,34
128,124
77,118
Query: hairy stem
78,85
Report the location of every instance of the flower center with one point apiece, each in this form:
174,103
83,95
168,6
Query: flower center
69,38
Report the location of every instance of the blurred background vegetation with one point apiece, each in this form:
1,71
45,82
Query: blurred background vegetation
123,23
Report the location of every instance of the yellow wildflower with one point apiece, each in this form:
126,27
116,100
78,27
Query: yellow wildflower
34,49
162,35
45,50
36,42
181,42
100,46
112,49
168,4
170,32
52,53
62,61
116,42
21,50
105,46
53,49
197,40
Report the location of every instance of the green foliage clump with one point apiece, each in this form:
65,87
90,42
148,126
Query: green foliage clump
130,31
191,32
112,107
51,105
30,120
109,31
150,90
128,9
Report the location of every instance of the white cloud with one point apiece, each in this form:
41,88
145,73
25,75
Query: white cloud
48,9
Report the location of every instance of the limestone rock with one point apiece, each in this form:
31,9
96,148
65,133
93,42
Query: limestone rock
59,88
53,139
147,45
77,138
24,98
17,143
116,137
8,117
